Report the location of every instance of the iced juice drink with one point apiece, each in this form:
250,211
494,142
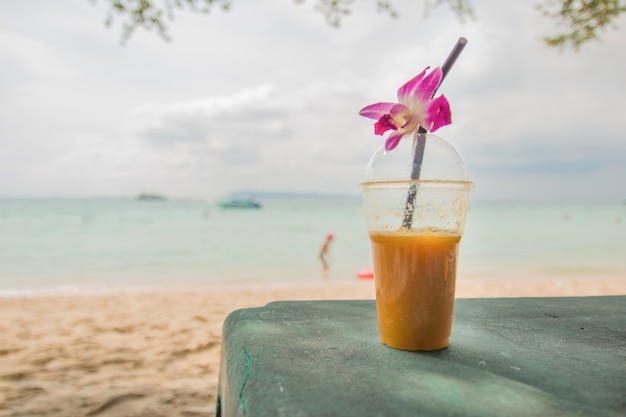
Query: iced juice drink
415,272
415,228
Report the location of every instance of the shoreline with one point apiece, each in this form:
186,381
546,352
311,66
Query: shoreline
157,352
517,284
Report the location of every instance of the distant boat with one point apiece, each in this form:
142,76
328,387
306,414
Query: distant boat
244,203
150,197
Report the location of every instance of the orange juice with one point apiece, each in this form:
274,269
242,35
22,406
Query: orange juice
415,275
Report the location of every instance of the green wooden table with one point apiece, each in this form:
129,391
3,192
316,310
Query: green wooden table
507,357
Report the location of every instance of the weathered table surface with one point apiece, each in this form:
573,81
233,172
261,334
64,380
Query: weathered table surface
507,357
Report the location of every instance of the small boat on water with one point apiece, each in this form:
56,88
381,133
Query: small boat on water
243,203
150,197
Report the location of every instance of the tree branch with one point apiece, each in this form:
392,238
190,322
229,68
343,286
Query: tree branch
583,20
152,14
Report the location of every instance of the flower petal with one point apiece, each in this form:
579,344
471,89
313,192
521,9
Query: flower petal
438,114
384,124
409,87
398,109
377,110
429,84
393,140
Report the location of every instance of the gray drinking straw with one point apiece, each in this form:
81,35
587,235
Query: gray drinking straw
420,140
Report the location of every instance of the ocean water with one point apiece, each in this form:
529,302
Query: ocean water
64,245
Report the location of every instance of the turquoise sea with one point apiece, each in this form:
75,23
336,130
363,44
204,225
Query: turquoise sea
70,245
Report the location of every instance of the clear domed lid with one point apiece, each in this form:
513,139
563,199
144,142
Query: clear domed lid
441,162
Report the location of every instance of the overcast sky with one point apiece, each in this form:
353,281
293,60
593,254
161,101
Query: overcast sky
266,97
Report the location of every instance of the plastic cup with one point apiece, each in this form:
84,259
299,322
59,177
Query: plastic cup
415,262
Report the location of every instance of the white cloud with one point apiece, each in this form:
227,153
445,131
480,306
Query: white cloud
217,131
210,106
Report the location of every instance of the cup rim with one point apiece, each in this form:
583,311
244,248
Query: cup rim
381,183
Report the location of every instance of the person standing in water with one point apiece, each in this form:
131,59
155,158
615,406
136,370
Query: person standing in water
324,253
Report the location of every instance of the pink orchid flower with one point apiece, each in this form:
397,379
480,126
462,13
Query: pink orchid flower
415,108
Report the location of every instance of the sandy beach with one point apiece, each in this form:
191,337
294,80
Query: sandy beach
156,353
